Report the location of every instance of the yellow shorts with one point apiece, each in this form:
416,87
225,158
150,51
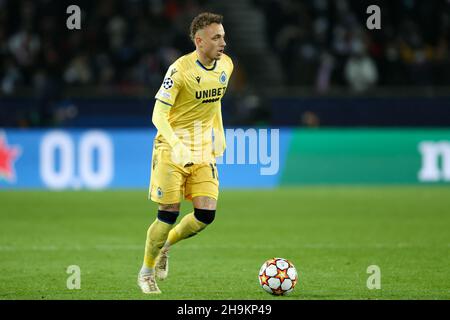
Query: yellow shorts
169,182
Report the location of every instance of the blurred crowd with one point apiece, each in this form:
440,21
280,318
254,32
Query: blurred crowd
120,43
320,43
327,42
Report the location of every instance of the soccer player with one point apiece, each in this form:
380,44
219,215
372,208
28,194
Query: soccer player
190,136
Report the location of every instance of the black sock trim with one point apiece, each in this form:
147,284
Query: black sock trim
169,217
205,216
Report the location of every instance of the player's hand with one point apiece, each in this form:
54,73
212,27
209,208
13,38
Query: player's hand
218,147
181,155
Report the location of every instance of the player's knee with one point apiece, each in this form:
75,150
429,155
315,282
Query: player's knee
174,207
169,217
204,215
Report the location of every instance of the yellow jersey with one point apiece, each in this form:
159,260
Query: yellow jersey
194,92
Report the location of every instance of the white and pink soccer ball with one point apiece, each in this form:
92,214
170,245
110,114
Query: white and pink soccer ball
278,276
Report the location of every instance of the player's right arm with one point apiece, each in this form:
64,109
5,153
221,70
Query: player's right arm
160,118
165,98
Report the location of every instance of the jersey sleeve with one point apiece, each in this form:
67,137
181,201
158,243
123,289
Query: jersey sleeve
161,122
230,65
219,134
171,86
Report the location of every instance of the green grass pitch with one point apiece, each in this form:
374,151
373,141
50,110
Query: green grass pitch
331,234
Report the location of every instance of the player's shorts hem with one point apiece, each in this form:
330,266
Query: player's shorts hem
170,197
163,201
201,194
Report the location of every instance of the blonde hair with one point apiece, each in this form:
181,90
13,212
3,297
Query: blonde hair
203,20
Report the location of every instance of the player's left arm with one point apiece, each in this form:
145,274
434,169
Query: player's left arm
219,134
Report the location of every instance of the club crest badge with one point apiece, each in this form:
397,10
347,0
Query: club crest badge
159,192
223,77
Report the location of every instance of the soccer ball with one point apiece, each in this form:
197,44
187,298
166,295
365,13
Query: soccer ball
278,276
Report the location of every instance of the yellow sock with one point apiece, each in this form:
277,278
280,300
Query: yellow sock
189,226
156,237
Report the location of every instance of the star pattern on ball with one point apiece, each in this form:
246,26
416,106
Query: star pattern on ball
282,274
278,276
264,279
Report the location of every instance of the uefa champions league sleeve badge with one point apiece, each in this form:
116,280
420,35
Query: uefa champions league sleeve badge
167,83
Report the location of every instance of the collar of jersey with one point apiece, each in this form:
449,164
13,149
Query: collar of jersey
210,69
